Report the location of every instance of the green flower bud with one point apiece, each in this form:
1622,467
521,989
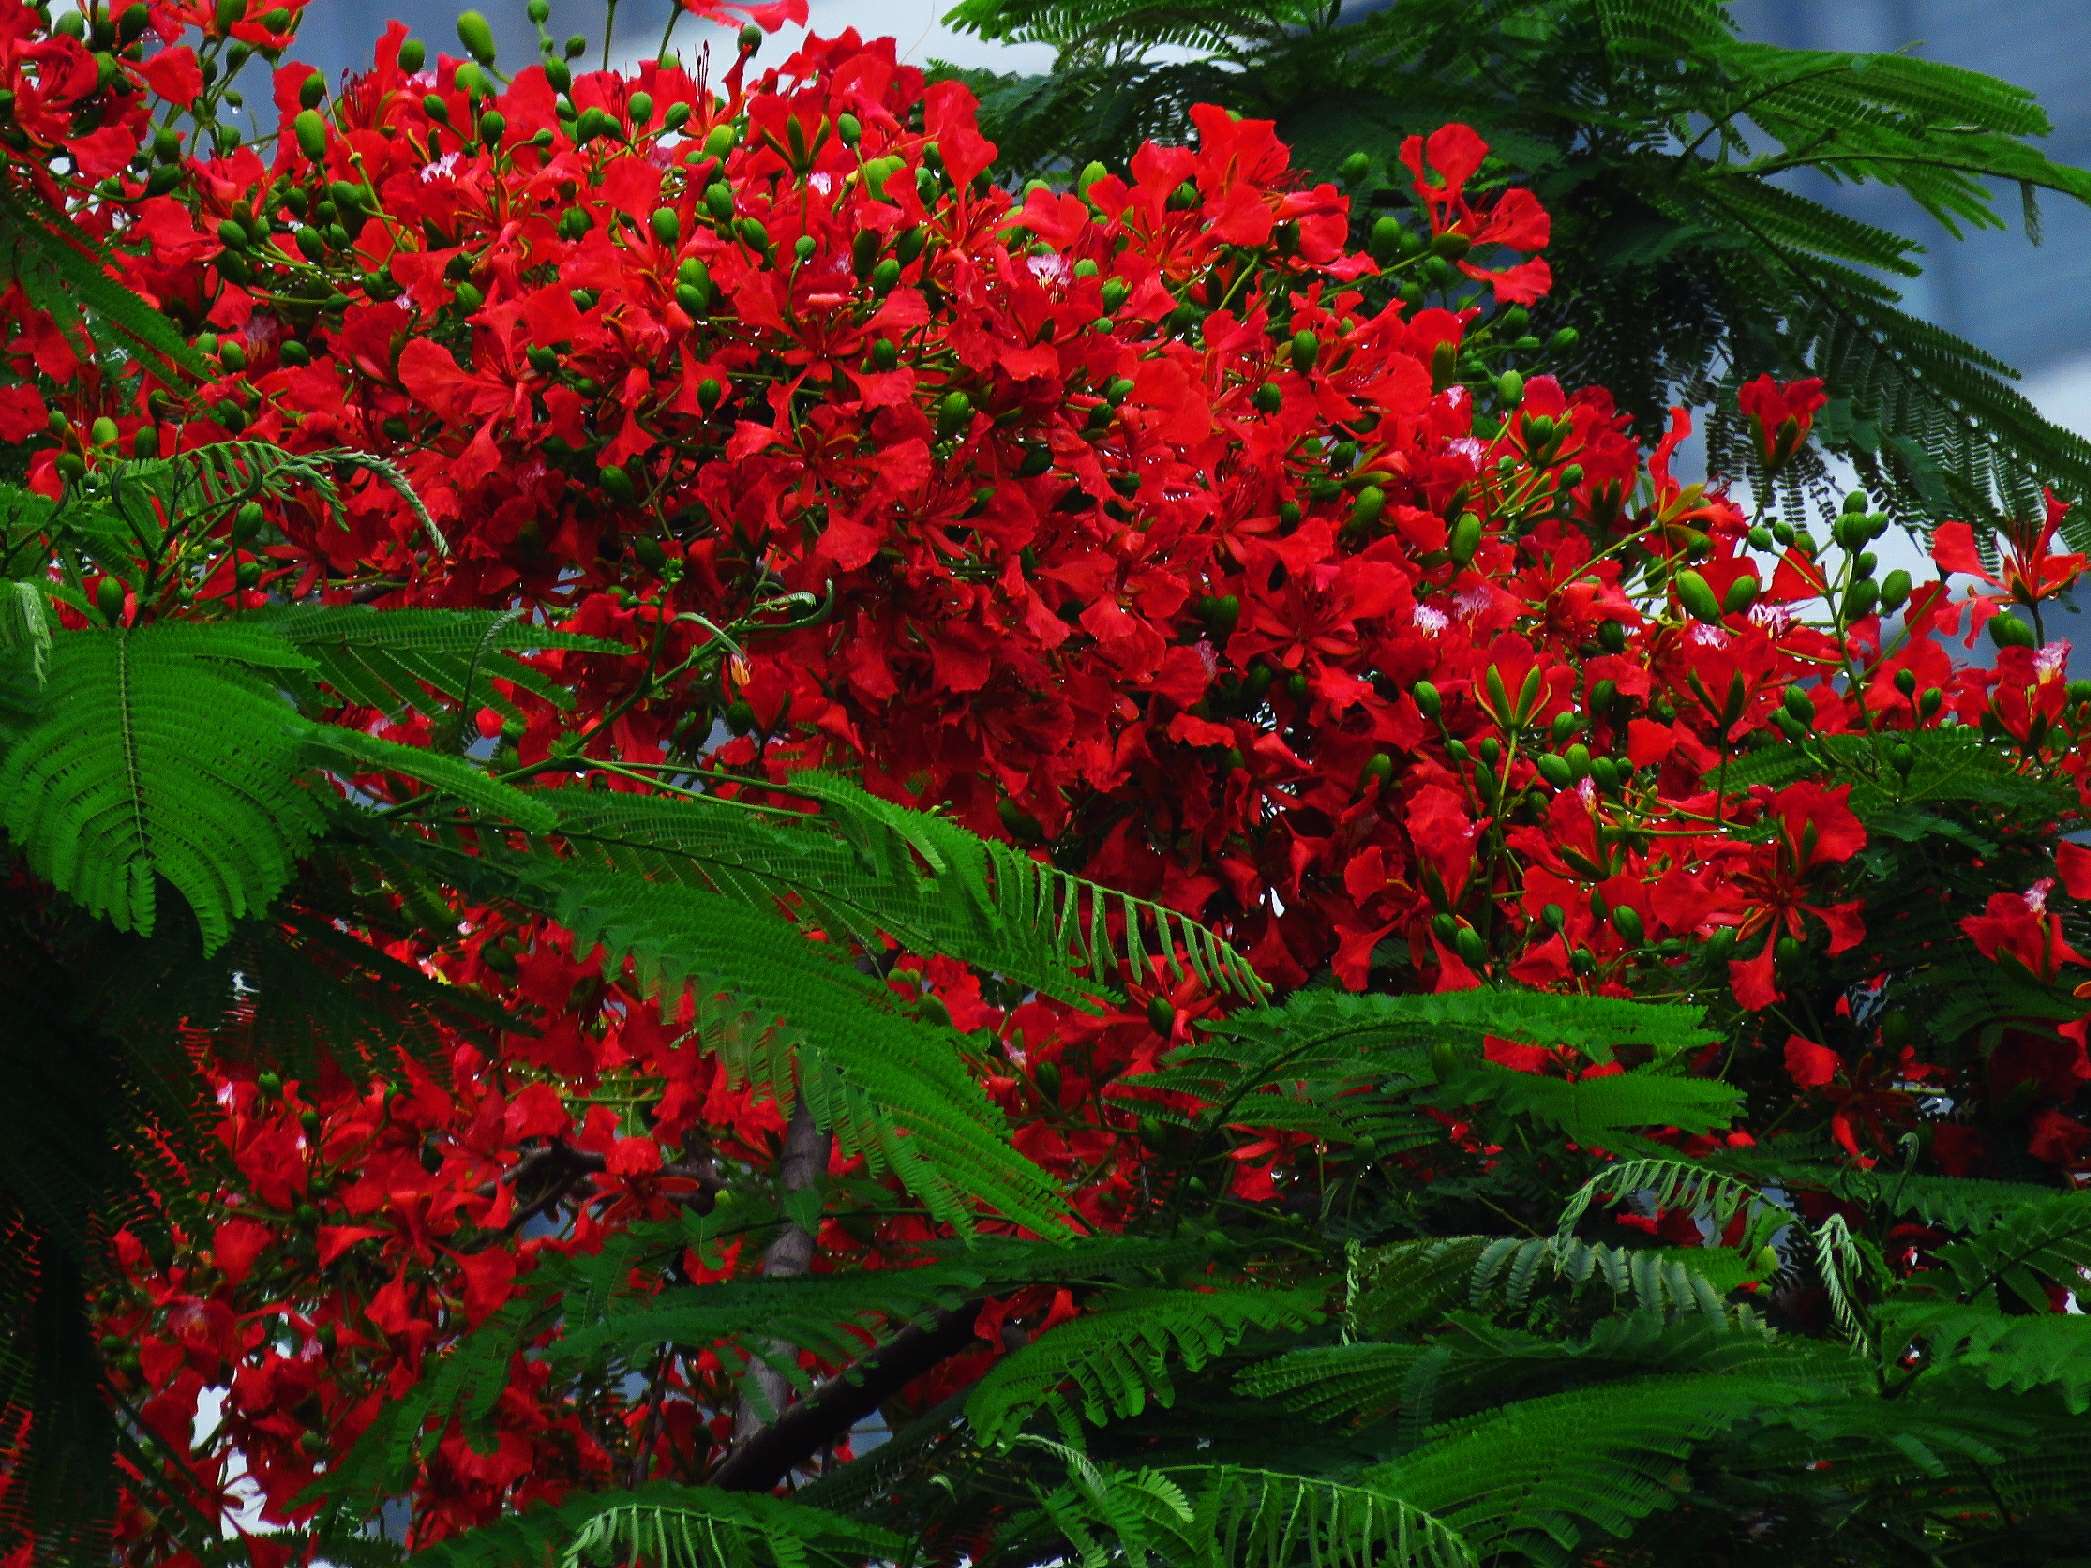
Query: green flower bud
667,225
1465,538
1306,349
1895,590
2008,631
413,54
1428,702
311,132
1742,593
477,35
1696,596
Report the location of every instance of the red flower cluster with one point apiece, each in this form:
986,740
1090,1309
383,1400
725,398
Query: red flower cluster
1143,524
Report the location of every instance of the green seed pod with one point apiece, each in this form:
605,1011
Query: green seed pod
1696,596
477,35
667,225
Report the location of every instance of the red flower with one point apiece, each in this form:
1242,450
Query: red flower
2022,926
1441,167
2031,570
1781,414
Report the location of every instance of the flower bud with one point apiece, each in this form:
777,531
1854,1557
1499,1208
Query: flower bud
477,35
1696,596
311,132
2008,631
1465,538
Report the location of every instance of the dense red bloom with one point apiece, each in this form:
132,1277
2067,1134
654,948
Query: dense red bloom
1143,526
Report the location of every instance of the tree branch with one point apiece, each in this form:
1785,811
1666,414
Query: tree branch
766,1457
789,1256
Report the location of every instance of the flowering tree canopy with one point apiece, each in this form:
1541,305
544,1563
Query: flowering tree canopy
717,805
